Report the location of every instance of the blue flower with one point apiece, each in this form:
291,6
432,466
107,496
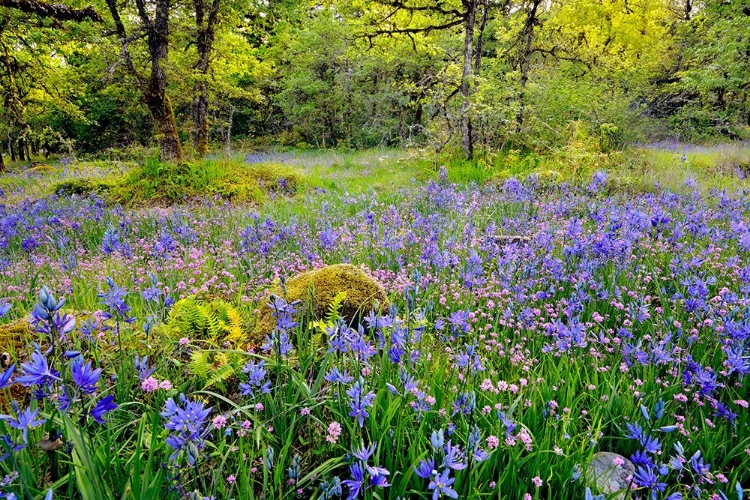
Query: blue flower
187,425
645,478
84,376
114,300
335,376
441,485
5,376
25,420
425,469
103,407
356,482
360,401
37,372
4,307
256,379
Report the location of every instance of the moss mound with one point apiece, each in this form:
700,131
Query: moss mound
317,290
12,337
157,183
81,187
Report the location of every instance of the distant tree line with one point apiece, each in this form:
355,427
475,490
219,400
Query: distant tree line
462,74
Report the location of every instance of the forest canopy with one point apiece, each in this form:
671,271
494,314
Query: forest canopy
189,76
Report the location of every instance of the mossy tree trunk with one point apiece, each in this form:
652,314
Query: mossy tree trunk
206,20
154,86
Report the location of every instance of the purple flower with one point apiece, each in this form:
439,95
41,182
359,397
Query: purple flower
103,407
37,372
360,401
441,485
5,376
84,376
25,420
4,307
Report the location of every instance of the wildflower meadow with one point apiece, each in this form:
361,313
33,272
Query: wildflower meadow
531,326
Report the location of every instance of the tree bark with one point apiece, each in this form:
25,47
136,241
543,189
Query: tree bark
21,150
165,126
11,149
527,35
57,11
206,23
2,161
154,86
467,136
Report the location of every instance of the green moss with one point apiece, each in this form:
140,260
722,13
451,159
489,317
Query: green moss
157,183
81,187
318,289
13,335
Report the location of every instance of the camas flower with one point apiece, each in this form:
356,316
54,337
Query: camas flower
103,407
187,424
37,372
441,485
24,421
84,376
360,401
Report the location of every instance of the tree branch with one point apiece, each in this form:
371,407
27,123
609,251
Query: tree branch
53,10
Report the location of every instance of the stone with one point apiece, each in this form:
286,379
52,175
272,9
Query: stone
606,476
317,290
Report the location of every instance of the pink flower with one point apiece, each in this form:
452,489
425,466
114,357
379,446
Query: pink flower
334,431
537,481
304,411
527,496
184,341
259,406
231,479
219,422
150,384
165,384
493,442
246,424
618,461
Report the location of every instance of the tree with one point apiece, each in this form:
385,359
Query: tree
152,85
206,21
417,17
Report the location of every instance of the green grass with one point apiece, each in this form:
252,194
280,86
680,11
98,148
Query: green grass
635,170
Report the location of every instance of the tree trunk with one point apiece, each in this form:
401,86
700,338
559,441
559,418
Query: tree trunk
154,86
2,161
467,136
528,38
206,23
156,96
21,150
165,127
200,118
11,149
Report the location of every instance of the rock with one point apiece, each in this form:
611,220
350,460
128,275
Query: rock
317,289
606,476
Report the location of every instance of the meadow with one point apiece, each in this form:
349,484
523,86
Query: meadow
540,313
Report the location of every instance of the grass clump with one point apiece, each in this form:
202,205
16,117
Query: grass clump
157,183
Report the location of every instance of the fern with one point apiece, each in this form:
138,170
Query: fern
334,309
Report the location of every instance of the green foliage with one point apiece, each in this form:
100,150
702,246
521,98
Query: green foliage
162,183
218,328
